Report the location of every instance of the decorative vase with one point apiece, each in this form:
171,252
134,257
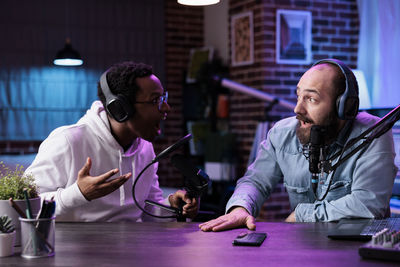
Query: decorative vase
6,209
7,244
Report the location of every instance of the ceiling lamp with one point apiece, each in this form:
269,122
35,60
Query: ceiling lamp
68,56
198,2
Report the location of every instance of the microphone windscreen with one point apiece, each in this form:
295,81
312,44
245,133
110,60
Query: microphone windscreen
316,141
316,135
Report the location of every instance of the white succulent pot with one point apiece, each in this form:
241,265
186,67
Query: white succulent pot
7,241
6,209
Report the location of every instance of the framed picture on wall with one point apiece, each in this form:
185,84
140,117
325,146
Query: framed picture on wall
293,36
242,39
198,56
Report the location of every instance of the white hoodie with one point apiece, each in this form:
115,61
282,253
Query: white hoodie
63,154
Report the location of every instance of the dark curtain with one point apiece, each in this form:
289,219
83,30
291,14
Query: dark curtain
35,95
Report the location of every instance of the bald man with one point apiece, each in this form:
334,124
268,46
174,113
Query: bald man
327,95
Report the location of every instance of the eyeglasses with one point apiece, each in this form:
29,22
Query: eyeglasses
159,100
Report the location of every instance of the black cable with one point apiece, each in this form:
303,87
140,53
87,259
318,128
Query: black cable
333,174
134,197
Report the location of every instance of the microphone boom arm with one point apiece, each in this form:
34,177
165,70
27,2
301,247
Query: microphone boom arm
376,130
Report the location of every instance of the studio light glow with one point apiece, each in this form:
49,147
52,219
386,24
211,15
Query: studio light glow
198,2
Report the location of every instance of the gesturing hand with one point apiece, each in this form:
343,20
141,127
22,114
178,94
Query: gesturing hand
238,217
93,187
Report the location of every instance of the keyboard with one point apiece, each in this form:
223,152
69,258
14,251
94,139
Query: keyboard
392,224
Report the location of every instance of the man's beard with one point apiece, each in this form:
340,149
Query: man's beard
331,123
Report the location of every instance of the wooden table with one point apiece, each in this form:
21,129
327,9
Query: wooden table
183,244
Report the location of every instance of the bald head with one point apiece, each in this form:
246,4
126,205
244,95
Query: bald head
332,77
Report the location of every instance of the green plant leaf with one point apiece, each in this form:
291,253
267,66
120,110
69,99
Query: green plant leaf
13,183
6,224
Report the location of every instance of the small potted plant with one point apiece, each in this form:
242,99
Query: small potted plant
7,236
12,186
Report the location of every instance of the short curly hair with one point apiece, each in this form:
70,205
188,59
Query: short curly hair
121,79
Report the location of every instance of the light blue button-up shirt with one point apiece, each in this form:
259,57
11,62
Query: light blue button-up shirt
361,186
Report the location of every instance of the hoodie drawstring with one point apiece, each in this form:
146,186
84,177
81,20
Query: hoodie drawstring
121,188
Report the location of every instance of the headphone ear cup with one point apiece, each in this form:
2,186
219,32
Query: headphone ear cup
347,107
348,102
117,106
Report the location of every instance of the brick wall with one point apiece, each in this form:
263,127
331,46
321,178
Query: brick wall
184,30
335,27
335,34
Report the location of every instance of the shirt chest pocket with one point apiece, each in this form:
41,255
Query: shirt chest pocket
297,194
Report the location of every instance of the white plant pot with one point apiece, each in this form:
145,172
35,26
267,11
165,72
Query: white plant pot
7,244
6,209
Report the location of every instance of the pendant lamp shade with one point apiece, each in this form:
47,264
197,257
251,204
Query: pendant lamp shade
68,56
198,2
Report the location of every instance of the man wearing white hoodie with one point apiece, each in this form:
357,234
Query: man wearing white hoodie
86,166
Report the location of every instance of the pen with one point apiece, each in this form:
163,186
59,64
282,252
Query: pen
28,205
52,209
29,215
17,208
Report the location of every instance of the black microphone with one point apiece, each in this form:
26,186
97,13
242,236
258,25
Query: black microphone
172,148
314,157
196,180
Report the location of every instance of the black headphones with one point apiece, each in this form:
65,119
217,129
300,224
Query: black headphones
348,102
117,106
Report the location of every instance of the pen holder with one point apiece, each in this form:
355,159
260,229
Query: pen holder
37,237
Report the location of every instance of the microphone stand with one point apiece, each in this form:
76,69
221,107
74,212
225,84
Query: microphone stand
195,182
375,131
177,212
